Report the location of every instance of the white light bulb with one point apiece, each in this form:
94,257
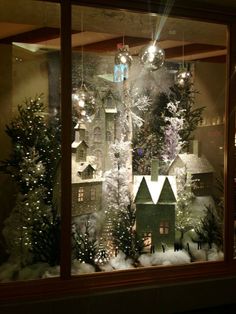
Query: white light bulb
151,49
81,103
123,59
151,57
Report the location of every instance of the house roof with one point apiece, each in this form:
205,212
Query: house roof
84,165
155,188
80,126
110,110
77,144
195,164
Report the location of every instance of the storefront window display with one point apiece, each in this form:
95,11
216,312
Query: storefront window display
158,84
147,142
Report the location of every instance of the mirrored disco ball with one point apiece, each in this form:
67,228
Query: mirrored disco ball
152,57
183,76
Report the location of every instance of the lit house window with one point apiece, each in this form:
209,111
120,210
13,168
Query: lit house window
93,194
80,194
164,227
97,135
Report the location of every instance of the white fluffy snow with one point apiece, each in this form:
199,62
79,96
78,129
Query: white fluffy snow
169,257
118,262
81,268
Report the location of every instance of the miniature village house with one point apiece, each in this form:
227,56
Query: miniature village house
196,165
86,188
155,199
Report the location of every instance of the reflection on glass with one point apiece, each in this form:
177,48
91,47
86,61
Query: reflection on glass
147,165
30,141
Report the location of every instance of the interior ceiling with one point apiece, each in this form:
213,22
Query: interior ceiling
100,30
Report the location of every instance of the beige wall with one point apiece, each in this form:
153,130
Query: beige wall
29,76
210,81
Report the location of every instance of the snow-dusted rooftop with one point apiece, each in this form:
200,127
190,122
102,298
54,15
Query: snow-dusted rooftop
82,165
154,187
77,144
195,164
110,110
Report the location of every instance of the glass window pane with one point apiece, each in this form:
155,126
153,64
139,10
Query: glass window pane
149,95
29,140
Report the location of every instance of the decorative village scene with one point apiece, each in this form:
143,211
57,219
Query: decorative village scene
146,188
142,190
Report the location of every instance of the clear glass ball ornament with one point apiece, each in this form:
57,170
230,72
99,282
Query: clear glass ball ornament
84,103
152,57
183,76
123,56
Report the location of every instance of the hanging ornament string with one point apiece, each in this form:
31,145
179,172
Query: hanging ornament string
183,74
123,56
82,49
152,57
83,99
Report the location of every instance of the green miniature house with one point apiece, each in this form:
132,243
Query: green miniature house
155,199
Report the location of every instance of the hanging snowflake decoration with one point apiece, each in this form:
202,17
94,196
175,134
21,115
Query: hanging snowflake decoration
134,105
84,103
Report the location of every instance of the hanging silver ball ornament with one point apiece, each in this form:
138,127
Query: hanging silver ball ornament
183,76
84,103
123,56
152,57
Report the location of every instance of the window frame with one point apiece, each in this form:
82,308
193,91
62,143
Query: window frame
97,135
80,197
164,227
66,285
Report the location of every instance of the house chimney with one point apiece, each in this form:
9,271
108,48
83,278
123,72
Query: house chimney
195,148
80,129
155,170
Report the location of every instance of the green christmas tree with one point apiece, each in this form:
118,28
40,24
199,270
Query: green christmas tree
85,245
210,230
33,165
124,234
